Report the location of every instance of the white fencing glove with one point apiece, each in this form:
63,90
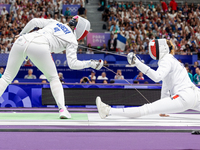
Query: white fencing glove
134,61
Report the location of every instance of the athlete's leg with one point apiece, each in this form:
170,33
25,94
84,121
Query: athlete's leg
14,63
165,105
40,55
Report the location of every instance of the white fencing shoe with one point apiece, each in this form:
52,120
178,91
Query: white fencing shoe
103,108
64,114
97,64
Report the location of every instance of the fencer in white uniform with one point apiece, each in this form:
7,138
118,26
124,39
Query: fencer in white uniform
178,93
53,36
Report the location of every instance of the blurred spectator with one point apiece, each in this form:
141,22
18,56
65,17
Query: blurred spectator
28,63
151,6
105,63
104,47
42,76
119,75
67,13
114,27
112,43
164,6
1,71
85,80
105,82
44,81
92,75
102,77
61,78
139,76
136,82
189,74
82,11
4,11
197,76
15,81
30,75
89,50
92,81
173,5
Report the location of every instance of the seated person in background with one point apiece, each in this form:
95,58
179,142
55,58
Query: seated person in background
1,71
60,75
136,82
104,47
105,82
189,74
92,75
30,75
102,77
105,63
92,81
89,50
139,76
119,75
44,81
28,63
85,80
197,76
15,81
42,76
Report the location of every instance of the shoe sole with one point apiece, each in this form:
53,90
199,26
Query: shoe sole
64,117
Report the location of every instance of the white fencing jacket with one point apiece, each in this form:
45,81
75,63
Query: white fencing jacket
171,72
59,36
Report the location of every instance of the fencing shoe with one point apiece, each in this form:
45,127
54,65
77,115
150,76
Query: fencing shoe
64,114
103,108
97,64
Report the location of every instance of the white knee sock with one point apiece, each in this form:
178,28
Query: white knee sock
3,86
131,112
58,93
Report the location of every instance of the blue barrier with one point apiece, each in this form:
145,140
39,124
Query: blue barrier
30,95
60,59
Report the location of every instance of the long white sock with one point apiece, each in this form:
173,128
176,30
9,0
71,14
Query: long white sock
58,93
3,86
131,112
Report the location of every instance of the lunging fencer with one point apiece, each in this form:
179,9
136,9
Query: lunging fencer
178,93
53,36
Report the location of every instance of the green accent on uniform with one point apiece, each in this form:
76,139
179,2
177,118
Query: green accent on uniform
40,116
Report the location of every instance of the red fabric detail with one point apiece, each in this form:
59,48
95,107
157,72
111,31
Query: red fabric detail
173,5
164,6
153,49
176,96
84,35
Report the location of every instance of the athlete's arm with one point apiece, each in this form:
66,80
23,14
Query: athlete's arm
156,76
35,22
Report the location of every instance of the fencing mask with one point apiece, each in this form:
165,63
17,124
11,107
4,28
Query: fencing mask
82,27
158,48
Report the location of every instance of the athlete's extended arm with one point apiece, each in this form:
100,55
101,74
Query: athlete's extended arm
157,75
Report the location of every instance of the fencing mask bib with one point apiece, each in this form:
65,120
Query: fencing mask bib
158,48
82,27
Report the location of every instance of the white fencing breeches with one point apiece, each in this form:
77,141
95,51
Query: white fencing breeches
165,105
40,55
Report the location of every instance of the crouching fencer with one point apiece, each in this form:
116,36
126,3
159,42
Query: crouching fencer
53,37
178,93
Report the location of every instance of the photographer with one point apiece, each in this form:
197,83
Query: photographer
119,75
85,80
